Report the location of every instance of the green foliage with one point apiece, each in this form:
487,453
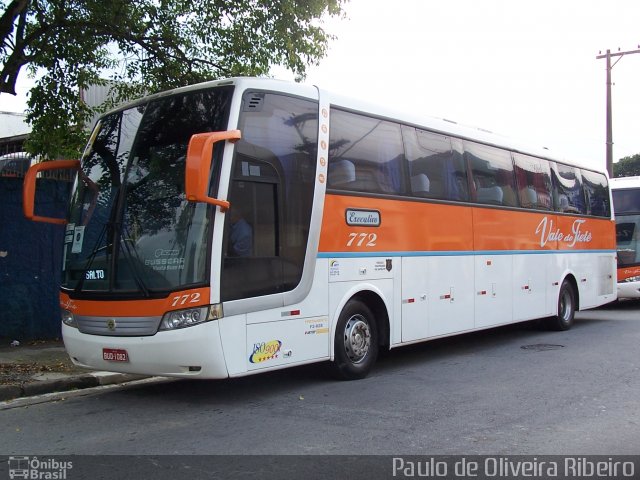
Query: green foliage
627,166
145,46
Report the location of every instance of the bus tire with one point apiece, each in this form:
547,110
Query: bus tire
356,342
566,308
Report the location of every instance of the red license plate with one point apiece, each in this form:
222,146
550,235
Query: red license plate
115,355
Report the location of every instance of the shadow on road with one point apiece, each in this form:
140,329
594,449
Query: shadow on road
622,305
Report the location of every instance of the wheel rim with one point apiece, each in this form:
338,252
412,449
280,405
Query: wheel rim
566,306
357,338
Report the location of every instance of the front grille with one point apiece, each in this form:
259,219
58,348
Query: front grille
118,326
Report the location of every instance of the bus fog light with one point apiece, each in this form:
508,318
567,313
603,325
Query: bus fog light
184,318
67,318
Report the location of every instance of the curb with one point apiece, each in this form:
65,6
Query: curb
76,382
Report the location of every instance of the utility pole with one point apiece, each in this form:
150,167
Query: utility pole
608,56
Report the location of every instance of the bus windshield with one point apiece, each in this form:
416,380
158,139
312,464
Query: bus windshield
627,208
131,228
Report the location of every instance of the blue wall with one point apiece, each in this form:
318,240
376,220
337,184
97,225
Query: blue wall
30,261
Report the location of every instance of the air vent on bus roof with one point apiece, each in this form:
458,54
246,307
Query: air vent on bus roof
253,102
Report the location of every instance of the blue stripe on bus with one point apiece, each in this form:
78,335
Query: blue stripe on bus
454,253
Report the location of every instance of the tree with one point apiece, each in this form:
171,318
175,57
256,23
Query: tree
627,166
145,46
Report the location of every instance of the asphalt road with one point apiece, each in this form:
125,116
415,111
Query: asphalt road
506,391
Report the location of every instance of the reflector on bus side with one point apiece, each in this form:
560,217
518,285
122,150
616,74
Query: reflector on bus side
198,165
29,188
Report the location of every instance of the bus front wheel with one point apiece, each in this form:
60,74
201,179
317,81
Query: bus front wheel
356,341
566,308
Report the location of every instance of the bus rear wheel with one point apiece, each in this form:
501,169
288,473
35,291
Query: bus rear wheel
566,308
356,342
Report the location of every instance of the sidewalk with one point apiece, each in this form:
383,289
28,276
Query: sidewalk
35,368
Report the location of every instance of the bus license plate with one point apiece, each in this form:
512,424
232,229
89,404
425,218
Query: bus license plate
115,355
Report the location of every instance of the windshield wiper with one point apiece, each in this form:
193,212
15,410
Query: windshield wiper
129,257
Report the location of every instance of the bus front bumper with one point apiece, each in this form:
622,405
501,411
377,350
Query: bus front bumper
629,290
188,352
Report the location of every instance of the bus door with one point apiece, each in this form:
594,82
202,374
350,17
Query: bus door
271,196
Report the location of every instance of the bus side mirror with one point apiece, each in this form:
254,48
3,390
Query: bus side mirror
29,188
198,165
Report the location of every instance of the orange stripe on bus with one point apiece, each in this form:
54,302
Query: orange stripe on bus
628,272
404,226
408,226
137,308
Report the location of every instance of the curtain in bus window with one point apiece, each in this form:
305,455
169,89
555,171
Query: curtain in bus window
533,179
366,154
492,171
456,186
597,191
436,170
567,189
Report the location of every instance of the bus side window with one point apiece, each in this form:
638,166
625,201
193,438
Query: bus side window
493,177
533,178
365,154
436,169
568,194
597,191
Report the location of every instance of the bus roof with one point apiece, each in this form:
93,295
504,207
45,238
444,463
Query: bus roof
625,182
446,127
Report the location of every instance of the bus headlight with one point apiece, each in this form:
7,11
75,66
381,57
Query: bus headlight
67,318
184,318
631,279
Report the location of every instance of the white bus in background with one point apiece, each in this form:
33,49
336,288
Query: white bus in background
626,201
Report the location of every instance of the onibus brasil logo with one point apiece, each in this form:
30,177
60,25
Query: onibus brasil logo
37,469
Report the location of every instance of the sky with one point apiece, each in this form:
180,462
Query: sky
520,68
523,69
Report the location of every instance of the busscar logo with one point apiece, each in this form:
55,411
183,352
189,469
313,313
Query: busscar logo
38,469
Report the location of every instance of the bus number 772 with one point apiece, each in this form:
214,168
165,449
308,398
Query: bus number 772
370,239
184,299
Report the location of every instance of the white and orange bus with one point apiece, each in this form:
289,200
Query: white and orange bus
246,225
626,202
